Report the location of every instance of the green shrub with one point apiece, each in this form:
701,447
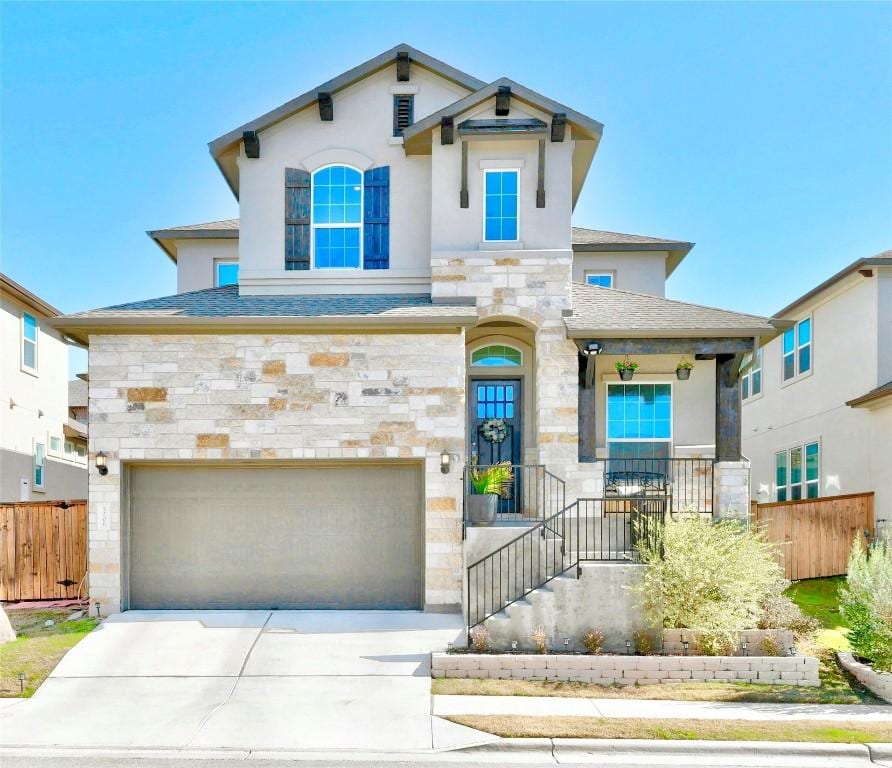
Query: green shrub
771,646
646,644
866,603
780,612
705,575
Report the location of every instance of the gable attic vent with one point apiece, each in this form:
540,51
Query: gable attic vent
403,108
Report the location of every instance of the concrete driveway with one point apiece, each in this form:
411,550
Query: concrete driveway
255,680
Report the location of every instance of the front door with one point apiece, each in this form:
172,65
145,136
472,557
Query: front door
494,430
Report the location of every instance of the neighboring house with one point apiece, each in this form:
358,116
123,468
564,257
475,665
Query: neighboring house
402,293
817,414
43,451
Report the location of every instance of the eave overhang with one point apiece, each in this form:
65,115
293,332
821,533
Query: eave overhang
165,239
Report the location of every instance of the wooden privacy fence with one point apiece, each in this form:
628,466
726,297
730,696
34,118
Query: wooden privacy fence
814,536
43,549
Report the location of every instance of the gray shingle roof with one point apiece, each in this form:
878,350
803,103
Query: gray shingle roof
226,302
77,393
611,312
584,236
223,224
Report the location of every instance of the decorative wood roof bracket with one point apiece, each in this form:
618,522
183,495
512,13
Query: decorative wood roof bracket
402,66
503,100
558,126
252,144
326,108
463,199
540,184
447,130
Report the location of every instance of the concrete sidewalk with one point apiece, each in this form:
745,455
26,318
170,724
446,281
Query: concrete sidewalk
637,708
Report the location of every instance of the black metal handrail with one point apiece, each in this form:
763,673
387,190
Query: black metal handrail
688,483
534,495
588,530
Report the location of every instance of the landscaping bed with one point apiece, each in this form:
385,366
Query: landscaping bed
38,648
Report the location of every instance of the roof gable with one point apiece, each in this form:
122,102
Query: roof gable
224,148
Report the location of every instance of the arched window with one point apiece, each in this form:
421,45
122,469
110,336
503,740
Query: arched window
337,217
496,355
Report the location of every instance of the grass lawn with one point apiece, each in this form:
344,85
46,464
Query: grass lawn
512,726
37,649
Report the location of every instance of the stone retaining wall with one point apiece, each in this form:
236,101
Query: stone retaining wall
628,670
880,683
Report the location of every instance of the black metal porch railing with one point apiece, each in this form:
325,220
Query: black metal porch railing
588,530
534,495
688,483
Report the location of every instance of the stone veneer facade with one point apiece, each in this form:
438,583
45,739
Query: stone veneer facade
297,397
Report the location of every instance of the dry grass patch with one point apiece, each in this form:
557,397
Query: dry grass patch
38,648
836,691
513,726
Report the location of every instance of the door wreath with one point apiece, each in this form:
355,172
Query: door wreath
494,430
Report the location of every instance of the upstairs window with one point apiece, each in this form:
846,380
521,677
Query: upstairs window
226,273
797,350
337,218
403,112
751,381
499,355
500,220
798,472
602,279
29,343
39,465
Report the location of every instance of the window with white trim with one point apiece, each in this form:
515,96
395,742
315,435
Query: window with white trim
601,279
797,344
751,381
500,199
225,273
797,472
639,421
39,465
337,217
30,330
55,444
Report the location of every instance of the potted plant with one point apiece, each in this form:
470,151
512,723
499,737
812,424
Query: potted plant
683,369
488,485
626,368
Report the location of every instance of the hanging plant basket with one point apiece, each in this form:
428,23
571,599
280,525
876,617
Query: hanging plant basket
683,369
626,368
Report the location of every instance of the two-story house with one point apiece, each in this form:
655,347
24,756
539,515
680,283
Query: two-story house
402,295
43,452
817,414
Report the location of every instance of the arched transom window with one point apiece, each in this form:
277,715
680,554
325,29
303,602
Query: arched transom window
496,355
337,218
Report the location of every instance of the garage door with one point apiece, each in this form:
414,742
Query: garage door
348,536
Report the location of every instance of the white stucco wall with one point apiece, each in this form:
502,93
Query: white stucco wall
360,135
461,229
884,325
636,271
196,259
23,425
880,452
813,408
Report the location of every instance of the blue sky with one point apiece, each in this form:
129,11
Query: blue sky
760,131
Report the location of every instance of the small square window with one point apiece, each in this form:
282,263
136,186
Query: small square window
601,279
55,444
226,273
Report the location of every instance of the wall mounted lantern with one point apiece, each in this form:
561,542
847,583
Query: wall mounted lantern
445,462
102,463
